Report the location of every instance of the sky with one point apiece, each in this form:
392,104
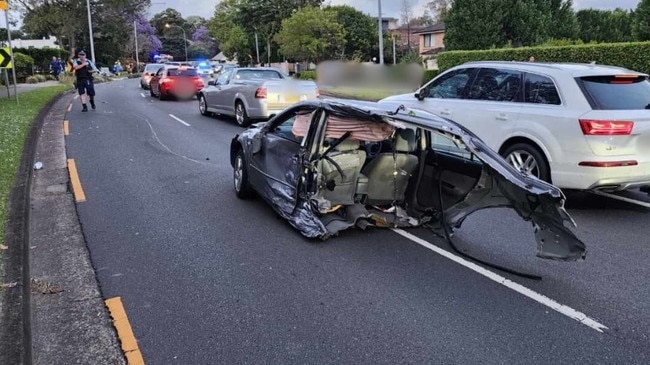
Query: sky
390,8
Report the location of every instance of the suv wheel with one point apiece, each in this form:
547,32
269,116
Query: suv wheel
529,160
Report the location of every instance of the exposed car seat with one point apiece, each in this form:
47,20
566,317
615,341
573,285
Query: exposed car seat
340,171
388,174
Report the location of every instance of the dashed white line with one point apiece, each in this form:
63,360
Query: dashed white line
542,299
142,94
179,120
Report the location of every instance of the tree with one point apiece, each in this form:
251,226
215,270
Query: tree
406,12
439,9
148,42
563,21
606,26
641,23
234,41
312,34
486,18
61,19
360,32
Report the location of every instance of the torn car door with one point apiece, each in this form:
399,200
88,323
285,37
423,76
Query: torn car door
496,184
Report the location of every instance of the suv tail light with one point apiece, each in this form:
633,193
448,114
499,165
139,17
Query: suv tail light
260,93
606,127
608,163
166,80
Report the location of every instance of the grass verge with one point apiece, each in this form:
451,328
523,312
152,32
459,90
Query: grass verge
15,121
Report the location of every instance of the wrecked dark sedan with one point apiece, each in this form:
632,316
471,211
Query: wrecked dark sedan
330,165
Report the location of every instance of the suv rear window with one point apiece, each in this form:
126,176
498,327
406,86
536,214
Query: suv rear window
182,72
616,92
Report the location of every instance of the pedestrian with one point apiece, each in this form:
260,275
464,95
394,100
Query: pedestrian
531,58
83,69
55,68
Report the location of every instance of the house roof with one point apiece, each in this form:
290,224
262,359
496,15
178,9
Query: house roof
440,27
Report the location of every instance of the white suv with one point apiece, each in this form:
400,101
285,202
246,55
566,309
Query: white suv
579,126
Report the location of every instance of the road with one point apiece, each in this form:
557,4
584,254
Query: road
207,278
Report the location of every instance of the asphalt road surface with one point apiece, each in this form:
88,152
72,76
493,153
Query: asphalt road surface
207,278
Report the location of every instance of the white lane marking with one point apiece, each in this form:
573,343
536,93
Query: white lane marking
142,94
179,120
621,198
542,299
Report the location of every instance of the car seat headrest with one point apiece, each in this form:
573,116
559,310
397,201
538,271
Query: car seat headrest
405,140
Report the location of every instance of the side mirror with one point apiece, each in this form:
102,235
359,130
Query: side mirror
420,94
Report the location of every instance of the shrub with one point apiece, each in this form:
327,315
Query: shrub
41,78
307,75
633,55
32,80
49,77
429,75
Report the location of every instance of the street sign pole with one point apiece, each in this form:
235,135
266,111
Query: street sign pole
11,52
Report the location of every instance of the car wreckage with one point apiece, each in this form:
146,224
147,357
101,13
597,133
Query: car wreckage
329,165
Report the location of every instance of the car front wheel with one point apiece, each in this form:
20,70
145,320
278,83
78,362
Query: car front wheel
240,115
240,177
203,106
529,160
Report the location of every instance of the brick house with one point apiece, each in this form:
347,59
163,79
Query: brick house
431,42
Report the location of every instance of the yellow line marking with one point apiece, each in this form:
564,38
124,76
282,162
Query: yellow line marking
124,331
69,107
66,128
76,183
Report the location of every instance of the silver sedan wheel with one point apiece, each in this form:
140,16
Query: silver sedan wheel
240,114
524,162
203,108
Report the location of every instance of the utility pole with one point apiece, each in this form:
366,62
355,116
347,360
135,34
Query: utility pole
135,38
257,49
381,36
90,32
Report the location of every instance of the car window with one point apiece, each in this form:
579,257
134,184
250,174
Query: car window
223,77
285,128
182,72
160,71
450,85
450,144
152,68
257,74
540,89
496,85
623,92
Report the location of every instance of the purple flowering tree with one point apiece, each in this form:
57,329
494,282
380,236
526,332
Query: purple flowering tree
148,42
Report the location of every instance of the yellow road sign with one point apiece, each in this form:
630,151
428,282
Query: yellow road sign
5,58
4,5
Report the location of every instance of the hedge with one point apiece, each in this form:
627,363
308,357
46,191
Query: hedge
43,56
633,55
307,75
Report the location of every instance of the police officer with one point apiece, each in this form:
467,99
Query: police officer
83,69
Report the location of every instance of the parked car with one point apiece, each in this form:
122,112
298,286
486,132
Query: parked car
253,93
579,126
150,69
181,82
329,165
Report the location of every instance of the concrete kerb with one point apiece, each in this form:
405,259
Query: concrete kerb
62,318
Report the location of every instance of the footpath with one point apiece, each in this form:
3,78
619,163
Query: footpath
52,311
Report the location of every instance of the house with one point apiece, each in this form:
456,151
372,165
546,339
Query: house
387,24
35,43
431,42
406,37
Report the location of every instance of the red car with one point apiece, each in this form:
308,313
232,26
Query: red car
180,82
